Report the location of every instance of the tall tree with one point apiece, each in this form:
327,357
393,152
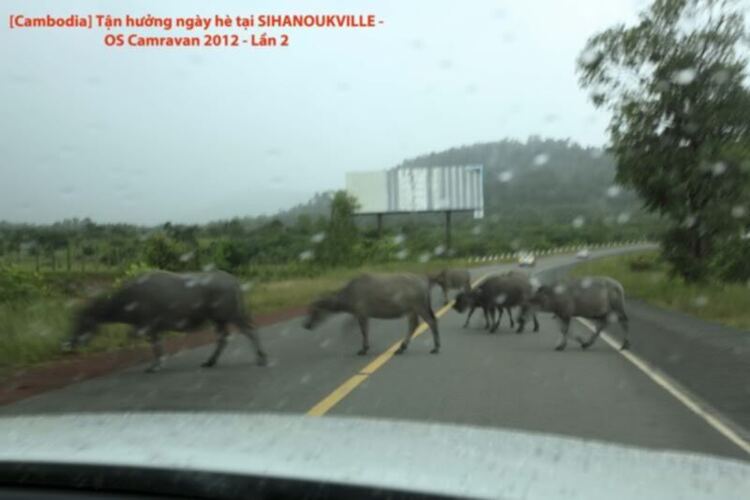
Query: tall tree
680,127
338,247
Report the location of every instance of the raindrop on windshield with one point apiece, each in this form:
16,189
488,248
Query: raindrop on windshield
623,218
424,257
501,299
738,211
586,282
402,254
559,289
589,56
476,230
689,221
613,191
718,168
541,159
684,76
209,267
398,239
578,222
247,286
306,255
186,256
439,250
505,176
317,238
445,64
700,301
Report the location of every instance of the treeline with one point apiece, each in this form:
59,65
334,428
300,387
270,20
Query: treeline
538,194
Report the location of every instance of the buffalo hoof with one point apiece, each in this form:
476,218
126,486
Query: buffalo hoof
400,350
560,347
362,352
208,364
435,350
584,345
625,345
262,361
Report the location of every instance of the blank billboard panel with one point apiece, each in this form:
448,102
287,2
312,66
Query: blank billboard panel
419,189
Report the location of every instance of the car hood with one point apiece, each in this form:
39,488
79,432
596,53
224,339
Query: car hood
429,458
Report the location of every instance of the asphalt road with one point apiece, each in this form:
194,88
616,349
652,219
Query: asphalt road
502,380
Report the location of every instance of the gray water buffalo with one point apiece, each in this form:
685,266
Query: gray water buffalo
598,298
160,301
497,293
451,279
380,296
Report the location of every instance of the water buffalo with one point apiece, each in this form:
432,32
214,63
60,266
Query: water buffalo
451,279
159,301
496,293
381,296
598,298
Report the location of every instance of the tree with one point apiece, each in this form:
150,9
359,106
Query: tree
680,126
164,253
338,247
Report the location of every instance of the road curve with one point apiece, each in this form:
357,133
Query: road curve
499,380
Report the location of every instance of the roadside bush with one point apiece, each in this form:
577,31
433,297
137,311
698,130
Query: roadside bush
164,253
732,261
19,285
229,255
642,263
133,271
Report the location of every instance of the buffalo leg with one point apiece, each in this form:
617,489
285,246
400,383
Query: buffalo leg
248,330
536,323
521,319
486,318
499,311
471,311
158,350
624,323
413,322
364,328
445,294
221,343
585,344
431,321
510,316
564,331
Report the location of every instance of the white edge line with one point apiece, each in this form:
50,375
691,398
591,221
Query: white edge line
671,388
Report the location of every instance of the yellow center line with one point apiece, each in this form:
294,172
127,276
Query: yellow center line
342,391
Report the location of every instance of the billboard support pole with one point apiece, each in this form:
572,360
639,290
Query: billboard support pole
447,231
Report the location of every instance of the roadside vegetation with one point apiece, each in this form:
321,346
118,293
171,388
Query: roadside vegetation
646,276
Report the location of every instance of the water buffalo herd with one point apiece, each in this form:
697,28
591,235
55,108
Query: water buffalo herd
161,301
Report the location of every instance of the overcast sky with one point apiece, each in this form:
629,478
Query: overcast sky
195,134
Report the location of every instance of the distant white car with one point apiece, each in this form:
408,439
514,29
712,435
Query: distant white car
526,260
583,254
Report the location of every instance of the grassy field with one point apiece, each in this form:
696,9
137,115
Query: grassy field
32,332
646,278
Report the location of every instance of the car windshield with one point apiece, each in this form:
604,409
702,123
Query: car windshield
523,217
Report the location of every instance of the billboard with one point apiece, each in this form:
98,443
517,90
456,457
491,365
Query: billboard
419,189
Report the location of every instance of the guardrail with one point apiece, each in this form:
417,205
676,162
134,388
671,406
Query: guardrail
554,251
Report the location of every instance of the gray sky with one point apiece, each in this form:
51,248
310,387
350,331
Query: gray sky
147,135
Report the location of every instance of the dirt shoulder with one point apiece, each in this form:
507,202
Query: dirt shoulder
27,382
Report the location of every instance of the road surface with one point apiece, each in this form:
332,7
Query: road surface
498,380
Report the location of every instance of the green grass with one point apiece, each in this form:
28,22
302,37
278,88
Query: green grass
32,332
728,304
